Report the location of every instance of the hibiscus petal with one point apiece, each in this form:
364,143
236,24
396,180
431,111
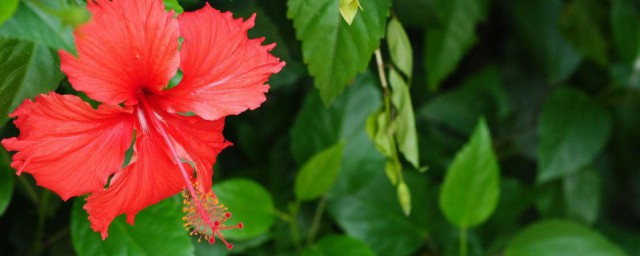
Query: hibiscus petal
151,177
224,72
128,46
197,140
66,145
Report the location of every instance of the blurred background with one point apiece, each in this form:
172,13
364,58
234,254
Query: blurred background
499,128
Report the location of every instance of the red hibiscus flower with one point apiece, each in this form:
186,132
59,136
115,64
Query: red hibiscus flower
127,54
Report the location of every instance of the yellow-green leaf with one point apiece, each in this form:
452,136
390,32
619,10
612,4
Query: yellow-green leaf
349,9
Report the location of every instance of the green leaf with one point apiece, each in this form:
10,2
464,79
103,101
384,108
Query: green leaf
173,5
26,70
74,16
572,130
471,187
40,22
447,43
482,93
334,50
7,8
365,206
349,9
405,123
582,195
339,245
362,192
249,203
581,25
158,230
404,197
317,127
536,24
625,28
560,238
6,187
400,47
319,173
380,130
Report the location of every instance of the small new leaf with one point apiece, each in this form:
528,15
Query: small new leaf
400,47
404,197
349,9
405,124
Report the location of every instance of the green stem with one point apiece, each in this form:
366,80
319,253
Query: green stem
29,189
463,242
317,217
293,225
37,244
56,237
282,215
295,233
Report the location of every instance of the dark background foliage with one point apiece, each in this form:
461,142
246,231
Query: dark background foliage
524,114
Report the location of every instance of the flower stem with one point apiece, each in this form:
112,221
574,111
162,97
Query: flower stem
463,242
295,233
317,217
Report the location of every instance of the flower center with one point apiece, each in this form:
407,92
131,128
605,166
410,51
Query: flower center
204,215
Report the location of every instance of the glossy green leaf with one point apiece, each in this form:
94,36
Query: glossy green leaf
317,127
572,130
158,230
339,245
319,173
40,22
6,187
26,70
560,238
447,43
582,195
405,123
471,187
334,50
173,5
400,48
536,23
249,203
349,9
7,8
581,25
